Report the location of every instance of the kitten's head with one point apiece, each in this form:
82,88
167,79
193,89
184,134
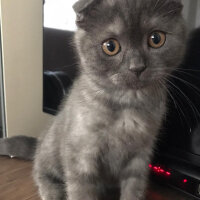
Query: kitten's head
129,43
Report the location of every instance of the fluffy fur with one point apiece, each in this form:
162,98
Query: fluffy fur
19,146
103,138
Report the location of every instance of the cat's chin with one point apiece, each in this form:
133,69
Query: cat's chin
137,85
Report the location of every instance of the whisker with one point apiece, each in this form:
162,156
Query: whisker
165,87
178,108
195,88
192,70
180,69
185,73
190,103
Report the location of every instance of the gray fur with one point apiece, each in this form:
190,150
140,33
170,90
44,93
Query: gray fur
103,138
81,5
19,146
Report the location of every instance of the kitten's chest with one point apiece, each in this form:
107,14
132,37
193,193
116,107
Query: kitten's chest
129,124
126,136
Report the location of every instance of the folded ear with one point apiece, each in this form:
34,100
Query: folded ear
177,5
84,9
169,7
81,5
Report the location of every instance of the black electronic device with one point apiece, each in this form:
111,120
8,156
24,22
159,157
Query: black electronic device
178,148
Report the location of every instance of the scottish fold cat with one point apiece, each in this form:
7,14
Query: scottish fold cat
104,135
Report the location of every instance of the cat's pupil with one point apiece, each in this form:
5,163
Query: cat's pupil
156,38
111,46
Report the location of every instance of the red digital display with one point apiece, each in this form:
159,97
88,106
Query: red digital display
159,170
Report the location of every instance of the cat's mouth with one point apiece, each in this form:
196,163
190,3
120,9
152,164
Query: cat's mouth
130,82
137,85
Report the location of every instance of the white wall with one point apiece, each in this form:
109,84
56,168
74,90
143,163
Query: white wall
191,13
186,4
198,15
21,23
59,14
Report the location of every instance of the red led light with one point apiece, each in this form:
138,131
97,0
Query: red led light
168,173
159,170
185,181
162,171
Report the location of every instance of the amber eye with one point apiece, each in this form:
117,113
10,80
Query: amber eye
157,39
111,47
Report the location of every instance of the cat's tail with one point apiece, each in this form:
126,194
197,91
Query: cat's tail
20,147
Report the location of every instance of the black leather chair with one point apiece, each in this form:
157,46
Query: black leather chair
60,67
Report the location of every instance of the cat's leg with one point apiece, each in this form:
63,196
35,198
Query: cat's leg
134,179
48,174
50,188
81,187
83,180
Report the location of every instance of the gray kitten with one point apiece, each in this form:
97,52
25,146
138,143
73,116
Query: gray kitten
103,138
